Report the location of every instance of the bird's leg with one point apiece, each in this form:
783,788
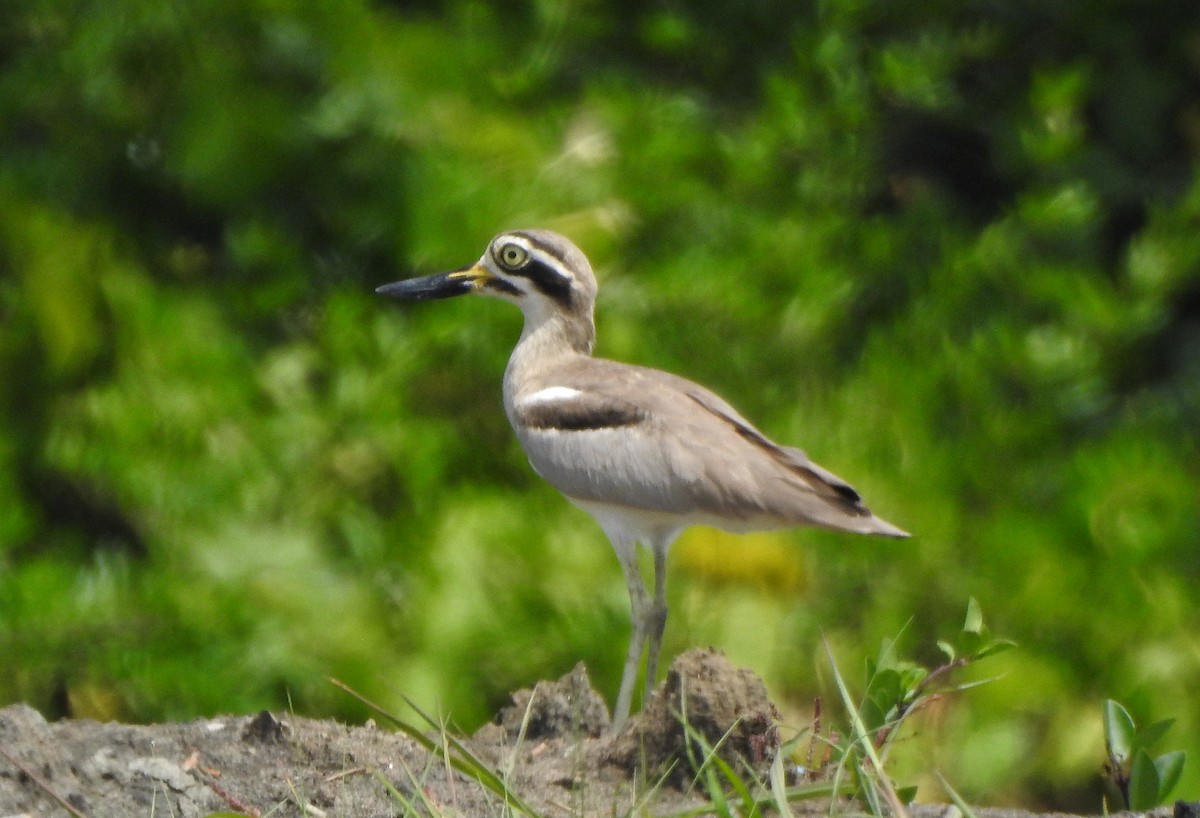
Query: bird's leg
639,602
656,616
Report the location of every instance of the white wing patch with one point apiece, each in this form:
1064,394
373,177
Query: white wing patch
559,408
551,394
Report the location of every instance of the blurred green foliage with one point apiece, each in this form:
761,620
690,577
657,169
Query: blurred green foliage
951,248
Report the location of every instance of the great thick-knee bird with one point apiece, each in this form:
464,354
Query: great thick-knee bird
645,452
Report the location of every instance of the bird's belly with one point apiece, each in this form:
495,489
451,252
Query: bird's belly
607,466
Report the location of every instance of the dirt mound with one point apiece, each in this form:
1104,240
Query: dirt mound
548,746
704,704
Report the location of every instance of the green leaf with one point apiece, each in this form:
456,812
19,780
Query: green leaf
1118,732
1143,783
885,689
872,714
994,647
1169,767
1151,735
948,649
974,623
910,678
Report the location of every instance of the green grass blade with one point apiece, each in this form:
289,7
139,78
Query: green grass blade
461,759
779,787
955,798
863,738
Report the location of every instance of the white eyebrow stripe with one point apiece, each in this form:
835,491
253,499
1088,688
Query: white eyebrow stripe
551,394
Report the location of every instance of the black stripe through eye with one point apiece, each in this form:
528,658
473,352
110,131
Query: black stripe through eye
550,281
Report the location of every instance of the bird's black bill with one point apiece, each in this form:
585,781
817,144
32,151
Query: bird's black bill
426,288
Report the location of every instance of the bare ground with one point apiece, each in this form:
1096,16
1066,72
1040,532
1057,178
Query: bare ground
548,747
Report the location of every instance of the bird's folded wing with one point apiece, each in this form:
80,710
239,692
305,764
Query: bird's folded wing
663,443
796,463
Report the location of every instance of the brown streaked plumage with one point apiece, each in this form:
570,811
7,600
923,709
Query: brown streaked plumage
645,452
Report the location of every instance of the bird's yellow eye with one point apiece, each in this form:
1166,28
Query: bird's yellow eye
512,256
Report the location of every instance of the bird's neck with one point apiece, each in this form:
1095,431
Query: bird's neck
550,333
544,342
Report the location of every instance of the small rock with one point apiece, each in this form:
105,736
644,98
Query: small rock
19,718
164,770
265,729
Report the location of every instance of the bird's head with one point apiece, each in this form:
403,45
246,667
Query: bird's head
540,271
